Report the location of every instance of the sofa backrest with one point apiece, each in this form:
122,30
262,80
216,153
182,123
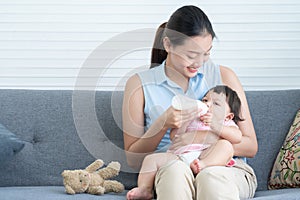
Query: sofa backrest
69,130
48,123
272,113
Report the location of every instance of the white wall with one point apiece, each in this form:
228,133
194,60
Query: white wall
47,44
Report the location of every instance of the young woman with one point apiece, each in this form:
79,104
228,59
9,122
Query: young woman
181,65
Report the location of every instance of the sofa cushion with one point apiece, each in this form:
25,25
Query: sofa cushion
286,169
280,194
10,144
52,193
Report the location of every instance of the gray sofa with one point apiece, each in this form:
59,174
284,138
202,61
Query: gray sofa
70,129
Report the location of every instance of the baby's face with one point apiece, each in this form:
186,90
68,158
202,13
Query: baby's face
217,104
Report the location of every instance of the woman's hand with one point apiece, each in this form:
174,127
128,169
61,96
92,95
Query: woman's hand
173,118
183,140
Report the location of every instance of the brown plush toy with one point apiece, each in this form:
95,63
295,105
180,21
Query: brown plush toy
91,180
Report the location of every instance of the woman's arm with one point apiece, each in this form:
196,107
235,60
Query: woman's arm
138,143
248,145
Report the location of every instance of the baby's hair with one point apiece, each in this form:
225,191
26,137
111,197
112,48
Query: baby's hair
232,99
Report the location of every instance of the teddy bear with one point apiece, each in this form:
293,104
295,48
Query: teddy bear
93,180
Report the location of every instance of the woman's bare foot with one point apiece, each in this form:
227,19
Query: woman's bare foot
139,193
196,166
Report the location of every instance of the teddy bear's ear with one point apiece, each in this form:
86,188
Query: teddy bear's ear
65,173
94,166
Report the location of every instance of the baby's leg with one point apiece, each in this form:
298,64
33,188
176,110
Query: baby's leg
147,174
216,155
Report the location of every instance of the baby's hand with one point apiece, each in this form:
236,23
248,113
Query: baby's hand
209,120
206,118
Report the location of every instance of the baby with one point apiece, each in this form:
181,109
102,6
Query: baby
223,113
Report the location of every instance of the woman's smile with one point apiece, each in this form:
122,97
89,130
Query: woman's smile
192,69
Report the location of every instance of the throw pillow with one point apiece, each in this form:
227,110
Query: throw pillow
9,144
286,169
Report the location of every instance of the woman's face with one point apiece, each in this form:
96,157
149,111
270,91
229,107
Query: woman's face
190,56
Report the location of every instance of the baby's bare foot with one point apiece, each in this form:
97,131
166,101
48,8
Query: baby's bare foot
139,193
196,166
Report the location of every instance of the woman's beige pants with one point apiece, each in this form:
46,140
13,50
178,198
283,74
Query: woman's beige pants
176,181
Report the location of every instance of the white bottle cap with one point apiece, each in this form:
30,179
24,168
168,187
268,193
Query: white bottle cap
181,102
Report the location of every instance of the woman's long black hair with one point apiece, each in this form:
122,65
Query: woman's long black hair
185,21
